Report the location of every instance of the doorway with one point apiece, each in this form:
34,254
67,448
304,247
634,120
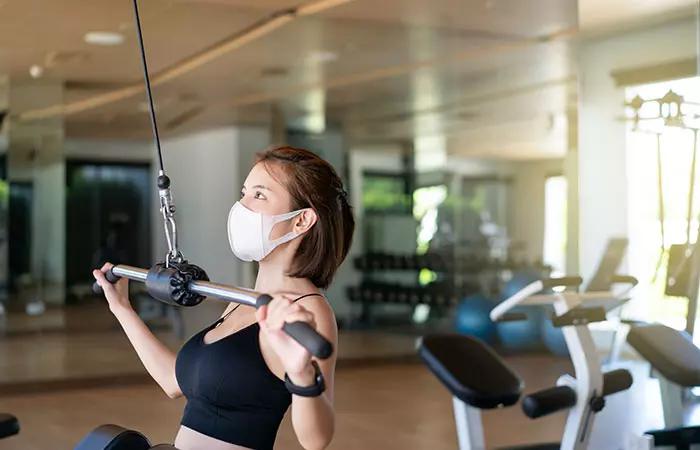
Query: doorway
108,208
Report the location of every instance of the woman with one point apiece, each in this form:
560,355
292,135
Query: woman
241,374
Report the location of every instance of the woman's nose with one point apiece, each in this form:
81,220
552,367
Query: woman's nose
245,201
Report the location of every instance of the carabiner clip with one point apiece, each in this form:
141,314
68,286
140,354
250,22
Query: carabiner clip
167,208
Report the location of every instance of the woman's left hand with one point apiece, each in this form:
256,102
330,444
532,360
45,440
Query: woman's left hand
295,358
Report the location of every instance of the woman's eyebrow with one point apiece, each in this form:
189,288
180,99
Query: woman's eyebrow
258,186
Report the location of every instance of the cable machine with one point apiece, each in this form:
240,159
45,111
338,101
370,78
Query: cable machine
683,273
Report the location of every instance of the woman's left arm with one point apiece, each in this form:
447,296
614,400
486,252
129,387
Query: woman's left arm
313,418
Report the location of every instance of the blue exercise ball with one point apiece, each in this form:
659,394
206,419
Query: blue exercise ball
472,317
552,336
521,334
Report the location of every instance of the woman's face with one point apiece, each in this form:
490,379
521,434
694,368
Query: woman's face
262,193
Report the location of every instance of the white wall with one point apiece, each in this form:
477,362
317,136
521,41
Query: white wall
204,171
251,140
602,164
527,205
49,228
570,170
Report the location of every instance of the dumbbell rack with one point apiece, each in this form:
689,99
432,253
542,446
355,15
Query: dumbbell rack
458,277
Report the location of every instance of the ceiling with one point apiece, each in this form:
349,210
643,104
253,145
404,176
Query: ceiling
388,70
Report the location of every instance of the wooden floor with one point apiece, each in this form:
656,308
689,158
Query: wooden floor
85,347
46,362
62,384
382,407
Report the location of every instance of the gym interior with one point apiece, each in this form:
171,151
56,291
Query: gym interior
522,174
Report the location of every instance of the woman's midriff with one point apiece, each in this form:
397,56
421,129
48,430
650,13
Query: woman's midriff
188,439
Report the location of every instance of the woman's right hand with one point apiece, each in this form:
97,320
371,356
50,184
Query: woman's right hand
117,294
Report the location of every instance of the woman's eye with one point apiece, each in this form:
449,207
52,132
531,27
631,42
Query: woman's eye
242,194
259,196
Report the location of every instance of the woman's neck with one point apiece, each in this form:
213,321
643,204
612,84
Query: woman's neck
273,278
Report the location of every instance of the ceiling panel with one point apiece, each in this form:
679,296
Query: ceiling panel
388,69
611,16
496,17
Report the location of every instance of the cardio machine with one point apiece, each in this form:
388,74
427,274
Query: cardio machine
487,382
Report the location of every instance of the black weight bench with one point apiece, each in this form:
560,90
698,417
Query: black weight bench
478,379
115,437
675,359
9,425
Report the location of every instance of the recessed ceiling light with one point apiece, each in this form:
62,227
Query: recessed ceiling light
36,71
104,38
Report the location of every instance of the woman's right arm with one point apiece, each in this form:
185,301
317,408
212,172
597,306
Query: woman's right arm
158,359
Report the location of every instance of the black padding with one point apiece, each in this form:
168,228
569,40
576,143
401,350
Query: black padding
512,317
471,370
683,436
616,381
114,437
670,352
164,447
9,425
171,284
548,446
549,401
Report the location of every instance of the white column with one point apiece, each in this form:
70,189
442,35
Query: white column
35,154
204,171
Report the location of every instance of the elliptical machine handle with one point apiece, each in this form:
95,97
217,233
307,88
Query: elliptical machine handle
624,279
531,289
513,301
570,281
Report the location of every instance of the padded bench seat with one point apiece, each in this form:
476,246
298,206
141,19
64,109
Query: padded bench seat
9,425
670,352
471,370
114,437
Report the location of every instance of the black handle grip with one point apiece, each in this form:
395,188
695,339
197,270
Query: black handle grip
512,317
616,381
302,332
110,276
574,281
624,279
549,401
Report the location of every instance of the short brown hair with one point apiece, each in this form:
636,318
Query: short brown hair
313,183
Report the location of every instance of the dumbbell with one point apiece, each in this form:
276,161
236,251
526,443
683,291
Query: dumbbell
413,296
354,293
392,294
373,262
366,293
402,294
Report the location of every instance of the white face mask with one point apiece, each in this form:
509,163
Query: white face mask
249,232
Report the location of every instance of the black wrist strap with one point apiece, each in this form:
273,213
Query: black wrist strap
314,390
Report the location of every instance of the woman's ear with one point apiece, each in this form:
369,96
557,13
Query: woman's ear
305,221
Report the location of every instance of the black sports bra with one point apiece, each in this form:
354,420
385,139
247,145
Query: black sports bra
231,393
